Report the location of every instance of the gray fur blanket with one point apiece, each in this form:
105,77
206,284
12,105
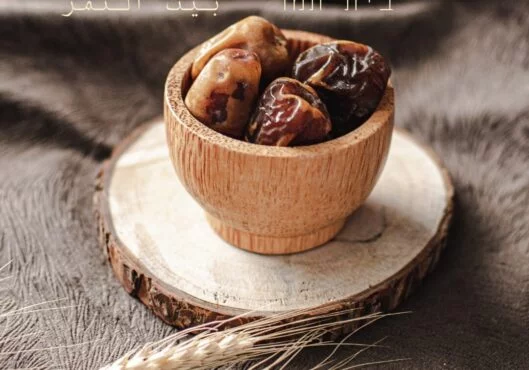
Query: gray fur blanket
72,88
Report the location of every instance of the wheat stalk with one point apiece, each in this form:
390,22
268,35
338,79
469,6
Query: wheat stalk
37,308
273,341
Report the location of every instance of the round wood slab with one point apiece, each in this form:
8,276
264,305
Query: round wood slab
164,252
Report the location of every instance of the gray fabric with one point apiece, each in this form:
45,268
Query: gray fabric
71,89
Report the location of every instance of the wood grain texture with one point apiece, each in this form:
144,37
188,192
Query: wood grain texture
275,200
163,251
73,88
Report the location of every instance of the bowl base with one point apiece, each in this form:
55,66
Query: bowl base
274,245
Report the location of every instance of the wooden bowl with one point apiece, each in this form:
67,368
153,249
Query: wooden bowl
274,200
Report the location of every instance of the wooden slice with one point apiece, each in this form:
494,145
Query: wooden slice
164,252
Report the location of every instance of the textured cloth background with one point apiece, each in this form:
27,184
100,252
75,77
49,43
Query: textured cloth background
72,88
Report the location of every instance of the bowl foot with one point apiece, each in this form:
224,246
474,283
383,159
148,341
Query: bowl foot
274,245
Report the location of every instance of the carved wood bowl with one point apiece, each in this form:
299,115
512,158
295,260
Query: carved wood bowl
274,200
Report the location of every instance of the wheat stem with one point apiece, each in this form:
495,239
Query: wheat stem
274,341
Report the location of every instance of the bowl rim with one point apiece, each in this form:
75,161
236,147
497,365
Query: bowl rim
174,101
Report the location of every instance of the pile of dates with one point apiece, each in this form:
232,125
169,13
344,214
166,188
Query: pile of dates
239,88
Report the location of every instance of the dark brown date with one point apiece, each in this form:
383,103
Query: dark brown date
349,77
289,113
224,93
254,34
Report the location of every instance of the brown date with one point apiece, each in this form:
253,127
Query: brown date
224,93
349,77
289,113
254,34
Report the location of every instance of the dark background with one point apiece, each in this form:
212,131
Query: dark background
72,88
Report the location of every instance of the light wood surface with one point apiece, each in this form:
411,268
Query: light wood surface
275,200
164,252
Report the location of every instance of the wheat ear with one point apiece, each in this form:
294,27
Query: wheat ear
272,341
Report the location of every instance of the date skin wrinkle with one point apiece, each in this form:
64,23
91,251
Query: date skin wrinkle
72,88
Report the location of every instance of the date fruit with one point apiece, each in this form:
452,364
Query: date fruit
224,93
349,77
254,34
289,113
